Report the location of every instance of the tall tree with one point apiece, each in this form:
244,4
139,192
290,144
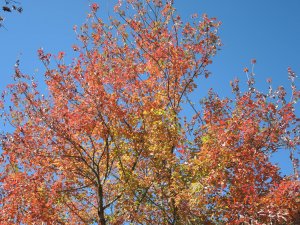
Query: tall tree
109,145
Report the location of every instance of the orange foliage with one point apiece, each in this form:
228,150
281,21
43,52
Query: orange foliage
108,144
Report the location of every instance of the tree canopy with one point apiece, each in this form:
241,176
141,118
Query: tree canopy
109,143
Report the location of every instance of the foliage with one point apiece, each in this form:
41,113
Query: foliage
8,7
108,144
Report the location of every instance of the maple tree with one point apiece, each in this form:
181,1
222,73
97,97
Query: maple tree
108,144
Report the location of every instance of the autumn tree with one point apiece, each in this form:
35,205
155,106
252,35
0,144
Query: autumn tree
109,143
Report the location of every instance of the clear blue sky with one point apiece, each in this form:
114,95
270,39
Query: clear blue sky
268,30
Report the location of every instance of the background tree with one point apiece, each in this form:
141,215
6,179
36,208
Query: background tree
108,144
8,7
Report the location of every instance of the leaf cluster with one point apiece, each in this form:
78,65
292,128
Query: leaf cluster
9,7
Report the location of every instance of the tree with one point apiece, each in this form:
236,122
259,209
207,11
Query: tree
108,144
9,7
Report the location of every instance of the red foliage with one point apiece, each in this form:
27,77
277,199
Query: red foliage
107,143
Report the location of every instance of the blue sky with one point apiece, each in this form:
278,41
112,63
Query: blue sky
268,30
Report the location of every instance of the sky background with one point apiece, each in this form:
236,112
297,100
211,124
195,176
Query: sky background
267,30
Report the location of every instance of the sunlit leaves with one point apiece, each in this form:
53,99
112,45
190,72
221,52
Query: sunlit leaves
106,144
